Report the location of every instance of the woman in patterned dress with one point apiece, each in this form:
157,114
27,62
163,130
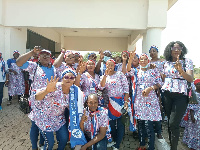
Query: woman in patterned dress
146,105
191,135
95,124
16,78
178,70
88,80
117,86
51,103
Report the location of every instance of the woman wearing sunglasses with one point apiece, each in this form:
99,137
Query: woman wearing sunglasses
89,80
52,101
178,70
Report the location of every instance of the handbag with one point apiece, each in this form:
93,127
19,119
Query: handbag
192,98
24,105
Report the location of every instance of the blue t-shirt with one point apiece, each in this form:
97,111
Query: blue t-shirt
9,61
48,71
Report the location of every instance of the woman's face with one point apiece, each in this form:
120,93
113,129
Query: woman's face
153,53
92,103
68,79
70,59
93,57
44,59
176,50
118,60
135,61
110,65
90,66
143,61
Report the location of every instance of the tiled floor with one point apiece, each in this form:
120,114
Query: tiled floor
15,126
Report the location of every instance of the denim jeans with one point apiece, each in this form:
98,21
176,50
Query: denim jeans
1,91
34,132
117,131
61,135
175,106
101,145
157,127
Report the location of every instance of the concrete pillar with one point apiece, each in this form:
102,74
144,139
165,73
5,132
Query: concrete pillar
152,37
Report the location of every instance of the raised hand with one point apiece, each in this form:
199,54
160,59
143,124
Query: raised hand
51,85
82,67
132,54
178,65
152,66
124,57
101,54
37,50
84,117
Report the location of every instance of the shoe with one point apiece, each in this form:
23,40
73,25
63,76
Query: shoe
0,108
111,144
9,103
161,144
114,148
41,147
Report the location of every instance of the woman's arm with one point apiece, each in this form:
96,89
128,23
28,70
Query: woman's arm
59,59
25,57
97,138
98,66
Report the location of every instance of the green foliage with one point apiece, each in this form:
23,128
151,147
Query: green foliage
162,57
115,54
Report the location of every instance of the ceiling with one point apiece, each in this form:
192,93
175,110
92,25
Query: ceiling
93,32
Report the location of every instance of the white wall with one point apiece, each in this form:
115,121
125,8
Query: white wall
94,43
131,14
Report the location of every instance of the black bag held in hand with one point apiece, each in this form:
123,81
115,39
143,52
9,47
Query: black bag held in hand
192,98
24,102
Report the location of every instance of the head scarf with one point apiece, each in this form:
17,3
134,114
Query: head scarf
90,55
91,61
107,51
126,52
110,60
196,81
153,46
16,51
68,70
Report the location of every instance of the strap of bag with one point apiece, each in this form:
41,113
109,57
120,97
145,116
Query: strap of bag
184,67
33,79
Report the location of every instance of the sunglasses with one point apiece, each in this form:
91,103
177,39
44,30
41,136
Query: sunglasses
176,48
69,77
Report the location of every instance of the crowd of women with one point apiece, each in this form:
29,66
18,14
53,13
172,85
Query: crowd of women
85,102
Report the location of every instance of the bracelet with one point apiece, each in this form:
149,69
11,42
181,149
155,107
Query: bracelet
126,102
7,80
153,88
105,75
79,73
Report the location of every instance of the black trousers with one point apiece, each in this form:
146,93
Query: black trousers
175,105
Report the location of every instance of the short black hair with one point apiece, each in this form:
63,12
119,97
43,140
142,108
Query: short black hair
167,51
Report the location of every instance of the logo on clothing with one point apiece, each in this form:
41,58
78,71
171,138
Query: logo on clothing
44,76
77,133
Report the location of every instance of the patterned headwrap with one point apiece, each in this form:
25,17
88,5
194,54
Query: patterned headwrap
91,61
153,46
68,70
16,51
107,51
90,55
196,81
137,56
67,53
110,60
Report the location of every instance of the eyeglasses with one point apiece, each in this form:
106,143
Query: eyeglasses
176,48
44,56
69,77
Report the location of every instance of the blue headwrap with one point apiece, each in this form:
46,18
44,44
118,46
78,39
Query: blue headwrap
155,47
90,55
137,56
68,71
